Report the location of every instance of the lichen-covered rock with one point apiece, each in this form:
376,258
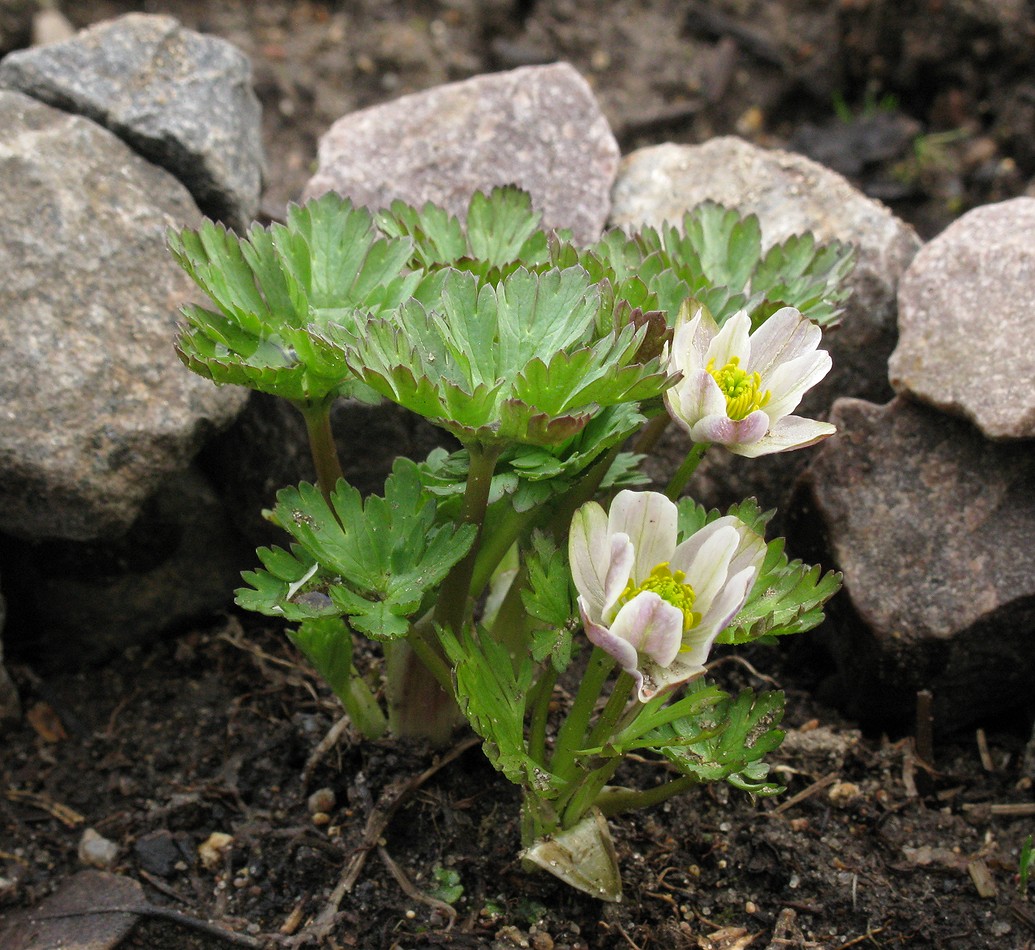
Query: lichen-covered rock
538,127
183,100
966,322
95,409
790,194
934,529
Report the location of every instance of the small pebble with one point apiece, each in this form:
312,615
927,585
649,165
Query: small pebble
97,851
322,800
843,793
212,849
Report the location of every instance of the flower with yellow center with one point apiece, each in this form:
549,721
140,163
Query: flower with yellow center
738,388
657,606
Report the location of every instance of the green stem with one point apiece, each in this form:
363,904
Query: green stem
493,547
363,708
452,598
321,445
614,801
581,794
616,703
689,466
540,712
572,734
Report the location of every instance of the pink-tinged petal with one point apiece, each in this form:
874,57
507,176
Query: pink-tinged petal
732,340
623,561
791,432
785,336
792,380
652,625
599,635
695,397
649,519
729,432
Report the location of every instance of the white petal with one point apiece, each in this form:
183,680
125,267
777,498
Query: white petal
732,340
785,336
696,396
708,570
649,519
691,338
652,625
791,432
792,380
723,430
722,610
600,563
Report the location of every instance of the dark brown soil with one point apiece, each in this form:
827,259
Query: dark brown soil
869,847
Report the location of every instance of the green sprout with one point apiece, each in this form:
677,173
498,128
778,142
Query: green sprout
1024,868
487,572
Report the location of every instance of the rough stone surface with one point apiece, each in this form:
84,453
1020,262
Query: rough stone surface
934,528
95,409
966,323
538,127
181,99
790,194
78,603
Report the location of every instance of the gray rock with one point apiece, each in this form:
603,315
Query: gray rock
181,99
81,602
538,127
790,194
934,528
95,409
966,322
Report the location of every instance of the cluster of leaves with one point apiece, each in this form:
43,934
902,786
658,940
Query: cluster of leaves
467,325
374,563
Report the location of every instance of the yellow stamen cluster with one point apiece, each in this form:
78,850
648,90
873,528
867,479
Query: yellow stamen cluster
741,388
669,586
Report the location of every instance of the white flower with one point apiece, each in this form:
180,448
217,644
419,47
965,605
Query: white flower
739,388
656,606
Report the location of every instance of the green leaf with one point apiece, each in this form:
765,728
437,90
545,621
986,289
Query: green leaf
494,365
549,600
325,264
492,696
799,273
502,232
374,563
327,644
726,741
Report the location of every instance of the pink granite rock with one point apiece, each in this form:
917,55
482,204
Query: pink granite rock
538,127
